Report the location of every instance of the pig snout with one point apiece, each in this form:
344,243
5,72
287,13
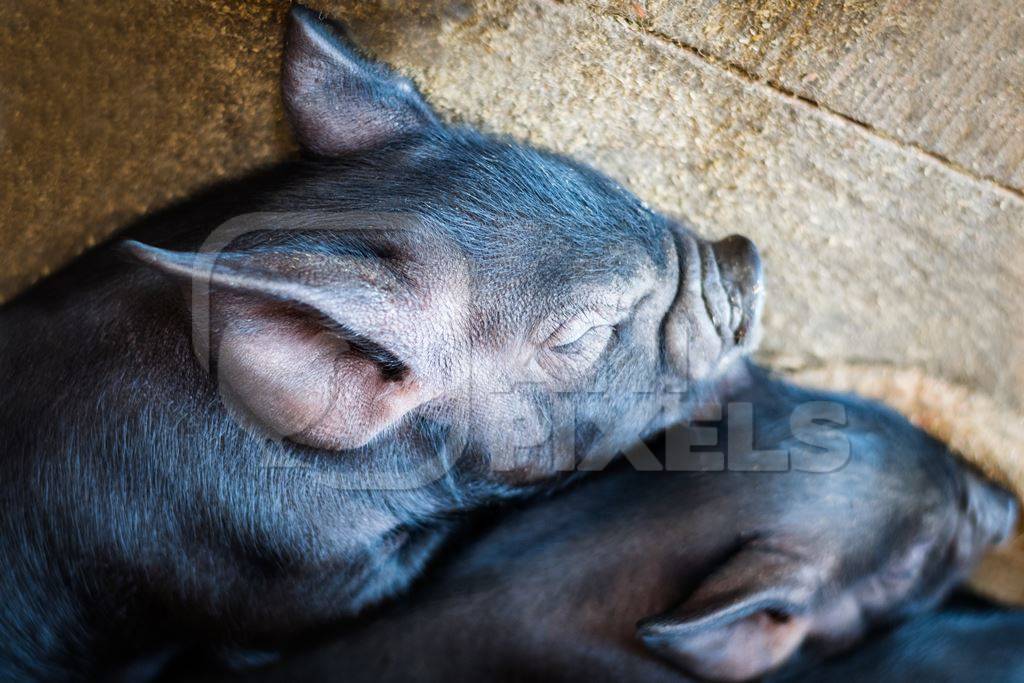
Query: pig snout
717,311
992,512
741,275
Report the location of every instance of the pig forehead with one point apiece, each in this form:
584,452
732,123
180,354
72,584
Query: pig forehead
521,198
500,202
564,275
512,216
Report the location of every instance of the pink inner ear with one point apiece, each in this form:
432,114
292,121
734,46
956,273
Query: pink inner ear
337,101
737,651
305,383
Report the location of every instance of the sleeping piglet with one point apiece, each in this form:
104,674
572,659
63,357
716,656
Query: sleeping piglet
859,519
261,411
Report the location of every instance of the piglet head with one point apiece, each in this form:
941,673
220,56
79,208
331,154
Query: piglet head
814,582
417,283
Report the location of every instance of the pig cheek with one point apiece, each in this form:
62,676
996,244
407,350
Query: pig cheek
513,431
694,348
838,625
889,590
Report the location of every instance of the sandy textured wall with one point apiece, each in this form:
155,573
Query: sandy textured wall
874,149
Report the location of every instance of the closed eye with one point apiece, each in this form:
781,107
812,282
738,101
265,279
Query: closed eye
576,345
596,337
571,351
593,334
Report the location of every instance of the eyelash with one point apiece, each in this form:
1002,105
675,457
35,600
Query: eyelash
563,362
577,345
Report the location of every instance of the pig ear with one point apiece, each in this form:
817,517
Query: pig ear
304,357
743,621
338,102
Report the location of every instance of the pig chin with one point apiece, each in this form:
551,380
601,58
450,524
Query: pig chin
716,317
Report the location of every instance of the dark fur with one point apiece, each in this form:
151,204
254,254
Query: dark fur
554,591
967,640
136,511
140,513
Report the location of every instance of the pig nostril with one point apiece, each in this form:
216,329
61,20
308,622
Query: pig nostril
740,255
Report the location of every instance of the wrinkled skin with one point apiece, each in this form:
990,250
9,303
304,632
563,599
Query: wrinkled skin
745,570
261,410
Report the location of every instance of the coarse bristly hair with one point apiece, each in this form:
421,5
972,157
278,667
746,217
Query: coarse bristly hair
146,504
